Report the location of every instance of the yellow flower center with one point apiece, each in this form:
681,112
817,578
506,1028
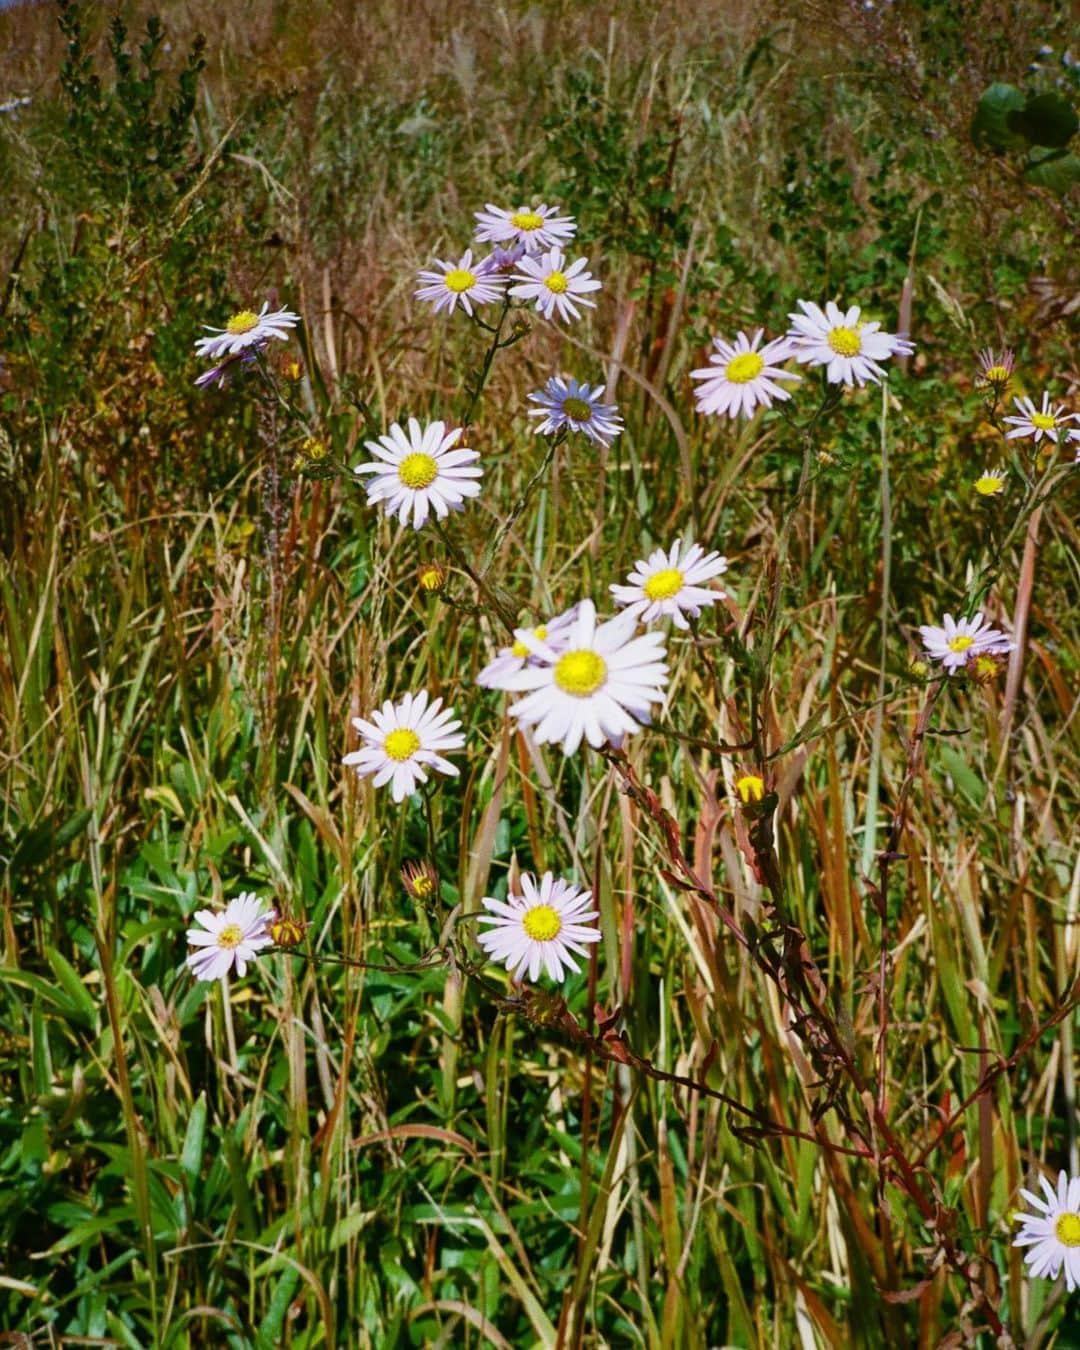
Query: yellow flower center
986,667
243,322
400,744
961,642
230,936
287,932
520,650
541,923
745,368
432,578
556,282
1043,421
459,279
314,449
580,673
663,585
996,375
418,471
1067,1230
988,484
423,886
526,220
578,409
750,787
844,341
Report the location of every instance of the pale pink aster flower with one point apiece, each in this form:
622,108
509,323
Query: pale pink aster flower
553,286
848,349
247,330
402,741
232,936
961,640
1047,421
740,378
463,283
669,584
536,227
541,927
1053,1234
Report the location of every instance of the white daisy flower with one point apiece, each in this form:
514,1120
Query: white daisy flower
463,283
849,350
554,286
403,740
740,379
961,640
1053,1234
565,403
537,227
540,927
597,684
232,936
246,330
1046,422
509,660
420,472
669,584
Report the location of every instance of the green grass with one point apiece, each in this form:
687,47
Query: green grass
734,1131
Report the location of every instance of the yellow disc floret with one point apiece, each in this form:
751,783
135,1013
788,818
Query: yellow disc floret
844,341
1067,1230
556,282
663,585
579,409
580,673
418,471
750,787
961,642
526,220
401,744
1043,421
459,279
230,936
541,923
989,484
243,322
745,368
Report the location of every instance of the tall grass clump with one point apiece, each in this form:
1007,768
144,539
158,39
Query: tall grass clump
539,675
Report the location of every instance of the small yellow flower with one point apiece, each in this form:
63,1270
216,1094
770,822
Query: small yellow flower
287,931
918,668
750,787
985,668
420,880
291,369
432,578
991,482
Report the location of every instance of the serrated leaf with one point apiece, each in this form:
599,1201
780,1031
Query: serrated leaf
990,128
1059,172
1045,119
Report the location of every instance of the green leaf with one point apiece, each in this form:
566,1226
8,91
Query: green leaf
68,979
1045,119
194,1139
1060,172
990,129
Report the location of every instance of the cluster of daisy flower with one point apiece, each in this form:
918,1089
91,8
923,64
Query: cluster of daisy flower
743,376
243,339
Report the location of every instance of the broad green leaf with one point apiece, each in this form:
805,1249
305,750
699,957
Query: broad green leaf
990,128
1046,119
1059,172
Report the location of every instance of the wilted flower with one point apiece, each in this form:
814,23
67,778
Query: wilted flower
995,370
420,880
432,577
750,788
288,931
540,927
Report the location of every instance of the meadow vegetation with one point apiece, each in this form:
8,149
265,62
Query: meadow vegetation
827,1033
